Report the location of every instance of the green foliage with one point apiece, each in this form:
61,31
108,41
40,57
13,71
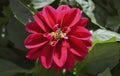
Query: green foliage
20,11
102,34
10,69
16,33
40,71
100,57
105,73
88,8
41,3
103,58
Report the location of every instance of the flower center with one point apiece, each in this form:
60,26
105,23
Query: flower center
58,34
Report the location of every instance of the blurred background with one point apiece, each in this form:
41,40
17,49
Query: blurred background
104,24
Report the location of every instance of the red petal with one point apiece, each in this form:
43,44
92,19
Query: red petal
41,22
62,8
70,61
49,14
87,42
83,22
80,32
33,53
35,40
45,57
79,48
71,18
60,17
60,54
33,27
83,34
56,67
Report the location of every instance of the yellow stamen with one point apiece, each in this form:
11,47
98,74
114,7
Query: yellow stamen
58,34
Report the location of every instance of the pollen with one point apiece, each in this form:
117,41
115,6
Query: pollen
58,34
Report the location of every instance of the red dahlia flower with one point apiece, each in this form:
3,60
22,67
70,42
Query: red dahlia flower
58,37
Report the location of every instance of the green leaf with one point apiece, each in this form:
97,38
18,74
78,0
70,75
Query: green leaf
49,72
16,33
102,35
115,71
64,2
88,8
69,73
103,43
40,71
100,12
3,20
113,39
117,5
12,55
9,69
26,2
101,56
113,23
105,73
6,65
72,3
80,66
6,11
41,3
21,12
